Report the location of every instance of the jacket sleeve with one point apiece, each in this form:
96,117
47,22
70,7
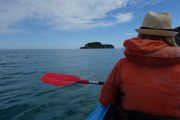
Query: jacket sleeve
110,93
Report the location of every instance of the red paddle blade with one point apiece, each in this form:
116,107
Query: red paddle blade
60,79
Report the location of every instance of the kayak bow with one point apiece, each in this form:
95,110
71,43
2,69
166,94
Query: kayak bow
100,113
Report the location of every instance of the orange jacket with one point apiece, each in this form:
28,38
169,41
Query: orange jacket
149,77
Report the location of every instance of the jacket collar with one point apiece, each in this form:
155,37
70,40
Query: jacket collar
151,52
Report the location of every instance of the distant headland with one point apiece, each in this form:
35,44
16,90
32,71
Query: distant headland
178,35
96,45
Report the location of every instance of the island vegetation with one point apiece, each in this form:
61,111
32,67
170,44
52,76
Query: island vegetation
96,45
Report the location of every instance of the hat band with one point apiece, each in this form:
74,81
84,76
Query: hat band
156,29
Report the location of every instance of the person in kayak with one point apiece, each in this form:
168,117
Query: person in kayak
145,85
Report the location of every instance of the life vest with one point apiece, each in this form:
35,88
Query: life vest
149,77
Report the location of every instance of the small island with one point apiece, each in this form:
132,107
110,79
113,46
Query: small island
178,35
96,45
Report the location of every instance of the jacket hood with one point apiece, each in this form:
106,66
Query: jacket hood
151,52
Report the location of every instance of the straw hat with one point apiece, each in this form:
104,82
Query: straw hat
158,24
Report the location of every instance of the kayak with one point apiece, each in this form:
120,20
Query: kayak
106,113
100,113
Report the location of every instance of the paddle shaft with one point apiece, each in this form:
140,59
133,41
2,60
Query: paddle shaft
91,82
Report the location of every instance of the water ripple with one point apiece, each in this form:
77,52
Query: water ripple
7,64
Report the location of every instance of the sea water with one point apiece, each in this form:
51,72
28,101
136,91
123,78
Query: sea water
24,97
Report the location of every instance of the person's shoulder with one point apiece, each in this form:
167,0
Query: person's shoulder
121,62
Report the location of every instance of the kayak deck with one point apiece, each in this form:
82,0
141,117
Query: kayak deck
100,113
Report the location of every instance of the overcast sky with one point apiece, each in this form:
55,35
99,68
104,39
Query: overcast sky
69,24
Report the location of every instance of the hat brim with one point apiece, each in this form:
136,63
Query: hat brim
157,32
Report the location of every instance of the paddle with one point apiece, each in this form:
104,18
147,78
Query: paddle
64,80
